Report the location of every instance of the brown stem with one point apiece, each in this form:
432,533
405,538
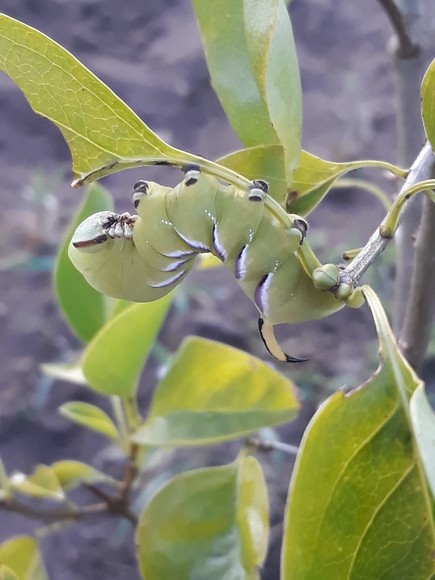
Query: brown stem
13,506
120,503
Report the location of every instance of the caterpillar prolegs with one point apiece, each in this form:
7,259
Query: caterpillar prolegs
144,256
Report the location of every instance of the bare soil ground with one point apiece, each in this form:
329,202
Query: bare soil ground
149,53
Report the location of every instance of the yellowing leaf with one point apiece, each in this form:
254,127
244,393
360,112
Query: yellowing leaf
91,417
70,473
6,573
210,523
42,483
359,505
428,103
104,135
21,554
213,392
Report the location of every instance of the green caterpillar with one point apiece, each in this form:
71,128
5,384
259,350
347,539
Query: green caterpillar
145,256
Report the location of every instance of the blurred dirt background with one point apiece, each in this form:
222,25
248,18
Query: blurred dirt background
150,54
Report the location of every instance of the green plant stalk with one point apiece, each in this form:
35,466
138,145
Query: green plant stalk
391,220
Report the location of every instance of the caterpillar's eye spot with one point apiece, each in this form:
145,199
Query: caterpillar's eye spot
261,184
141,186
256,192
192,173
140,190
301,225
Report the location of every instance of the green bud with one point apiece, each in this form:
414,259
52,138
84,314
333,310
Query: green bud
326,277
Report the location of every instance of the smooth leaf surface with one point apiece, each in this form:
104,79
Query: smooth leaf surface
84,308
261,162
91,417
423,422
252,62
104,135
21,554
114,359
6,573
210,523
213,392
70,473
428,103
359,505
41,483
313,178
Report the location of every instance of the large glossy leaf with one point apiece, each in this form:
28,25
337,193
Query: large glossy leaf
209,523
314,177
428,103
253,66
359,505
91,417
213,392
84,308
21,554
104,135
114,359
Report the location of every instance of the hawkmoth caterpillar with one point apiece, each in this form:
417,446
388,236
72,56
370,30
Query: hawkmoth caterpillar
144,256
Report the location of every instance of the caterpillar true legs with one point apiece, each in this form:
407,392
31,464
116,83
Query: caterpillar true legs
143,257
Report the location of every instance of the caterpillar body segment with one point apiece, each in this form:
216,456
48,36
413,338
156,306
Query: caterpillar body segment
143,257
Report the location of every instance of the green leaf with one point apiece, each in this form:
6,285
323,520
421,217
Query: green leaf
22,555
84,308
252,61
210,523
359,506
114,359
261,162
313,178
91,417
423,422
212,393
6,573
41,483
70,473
104,135
428,103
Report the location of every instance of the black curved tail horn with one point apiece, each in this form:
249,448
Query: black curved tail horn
270,342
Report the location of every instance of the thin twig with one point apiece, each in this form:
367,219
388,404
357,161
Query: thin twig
407,48
13,506
264,445
416,331
420,171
